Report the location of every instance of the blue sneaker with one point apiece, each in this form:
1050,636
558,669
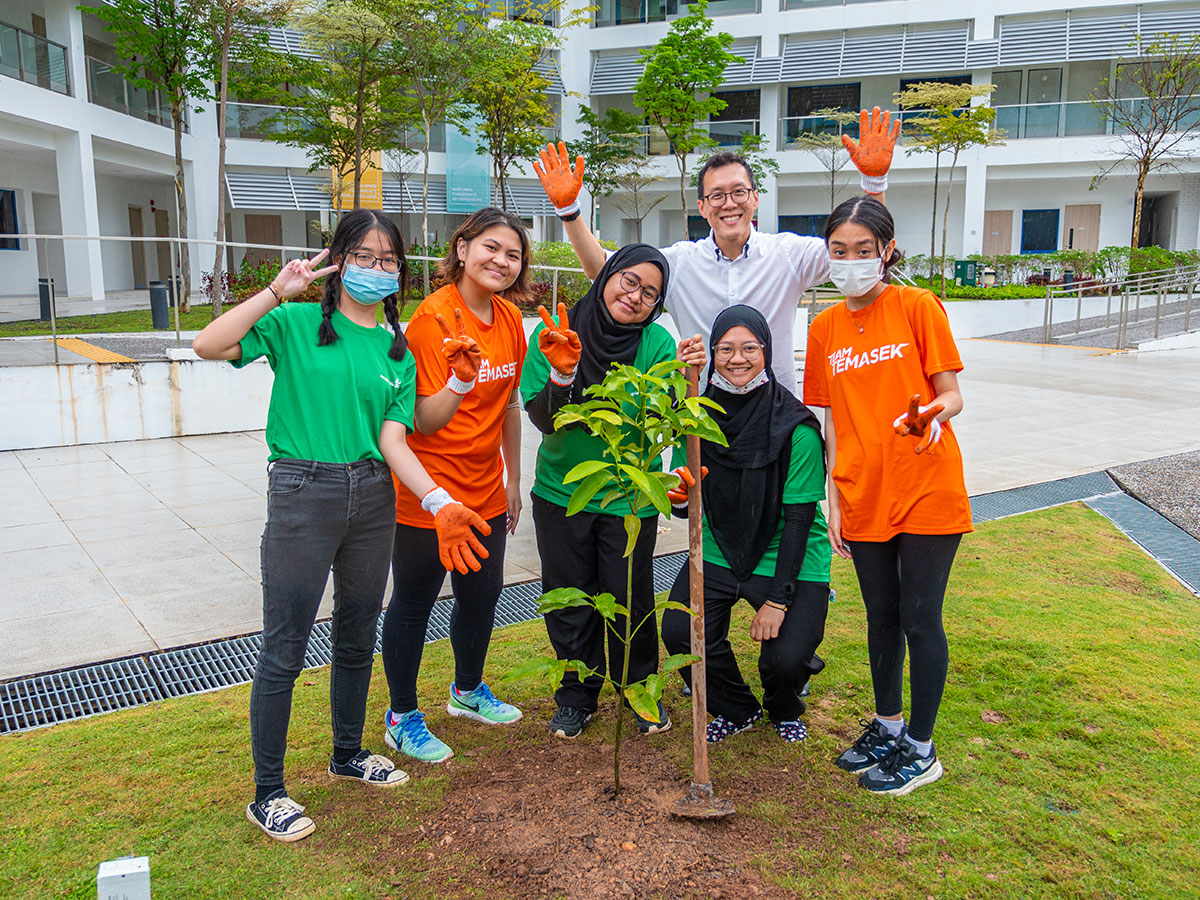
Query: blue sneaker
413,738
902,771
871,747
482,706
281,817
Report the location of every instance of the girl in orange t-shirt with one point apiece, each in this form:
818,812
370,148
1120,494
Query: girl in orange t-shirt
897,501
468,343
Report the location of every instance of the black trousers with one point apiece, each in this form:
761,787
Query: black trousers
783,662
903,583
585,551
417,577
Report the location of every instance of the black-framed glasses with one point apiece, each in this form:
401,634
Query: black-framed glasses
750,351
630,283
366,260
717,198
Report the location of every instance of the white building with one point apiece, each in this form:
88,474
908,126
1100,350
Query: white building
81,152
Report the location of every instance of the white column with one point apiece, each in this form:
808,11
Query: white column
80,213
64,25
974,200
768,119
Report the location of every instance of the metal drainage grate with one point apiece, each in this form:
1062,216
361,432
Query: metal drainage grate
76,693
1176,550
207,667
998,505
666,569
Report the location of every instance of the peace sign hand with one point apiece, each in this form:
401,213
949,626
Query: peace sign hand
558,343
297,274
920,421
460,349
872,155
560,183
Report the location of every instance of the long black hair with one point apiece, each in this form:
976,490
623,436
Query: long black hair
873,216
351,229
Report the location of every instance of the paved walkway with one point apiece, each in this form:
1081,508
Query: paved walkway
114,549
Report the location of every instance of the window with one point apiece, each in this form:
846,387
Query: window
1039,230
906,83
739,116
8,220
698,228
804,101
808,225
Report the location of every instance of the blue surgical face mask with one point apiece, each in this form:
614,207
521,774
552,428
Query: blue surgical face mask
366,286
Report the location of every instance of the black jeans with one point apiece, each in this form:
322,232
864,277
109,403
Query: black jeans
319,516
783,662
417,577
585,551
903,583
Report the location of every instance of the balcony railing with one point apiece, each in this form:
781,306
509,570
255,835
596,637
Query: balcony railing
256,121
33,59
793,128
109,88
726,133
629,12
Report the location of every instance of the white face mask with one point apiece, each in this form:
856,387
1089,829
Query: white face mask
720,381
854,277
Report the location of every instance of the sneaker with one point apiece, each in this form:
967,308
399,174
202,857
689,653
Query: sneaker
281,817
654,726
872,746
720,727
903,770
793,732
569,721
378,771
412,738
482,706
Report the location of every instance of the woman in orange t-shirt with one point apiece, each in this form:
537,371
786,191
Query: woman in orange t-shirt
898,505
468,343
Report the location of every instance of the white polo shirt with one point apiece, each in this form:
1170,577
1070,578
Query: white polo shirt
770,274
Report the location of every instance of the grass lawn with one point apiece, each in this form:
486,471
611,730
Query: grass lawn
1068,733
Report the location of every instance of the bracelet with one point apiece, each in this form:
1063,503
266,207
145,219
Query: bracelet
277,294
775,605
571,216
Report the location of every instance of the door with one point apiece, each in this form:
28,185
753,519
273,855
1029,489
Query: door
162,228
997,232
263,230
137,248
1081,227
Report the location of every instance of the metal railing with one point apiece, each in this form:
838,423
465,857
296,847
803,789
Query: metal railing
793,128
34,59
109,88
255,121
726,133
633,12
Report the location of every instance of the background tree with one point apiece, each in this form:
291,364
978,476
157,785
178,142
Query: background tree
946,124
634,200
827,147
608,142
165,45
1153,103
753,150
681,71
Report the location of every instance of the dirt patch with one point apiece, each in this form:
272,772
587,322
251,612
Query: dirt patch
540,821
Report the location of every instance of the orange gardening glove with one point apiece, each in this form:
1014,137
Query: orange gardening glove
872,155
560,183
558,343
461,352
679,495
458,548
920,421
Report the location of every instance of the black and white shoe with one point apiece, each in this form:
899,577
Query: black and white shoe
569,721
281,817
902,771
369,768
654,726
720,727
872,746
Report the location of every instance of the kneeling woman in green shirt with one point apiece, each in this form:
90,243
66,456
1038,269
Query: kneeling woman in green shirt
613,323
764,534
341,404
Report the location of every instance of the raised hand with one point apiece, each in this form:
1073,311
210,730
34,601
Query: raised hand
872,155
920,421
558,343
458,548
297,274
678,495
691,351
460,349
559,181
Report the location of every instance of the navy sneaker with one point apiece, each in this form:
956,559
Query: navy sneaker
654,726
369,768
281,817
872,746
902,771
793,732
569,721
720,727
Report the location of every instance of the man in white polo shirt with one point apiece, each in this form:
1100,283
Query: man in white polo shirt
736,263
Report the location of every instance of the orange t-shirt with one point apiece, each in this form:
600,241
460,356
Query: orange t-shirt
464,455
865,365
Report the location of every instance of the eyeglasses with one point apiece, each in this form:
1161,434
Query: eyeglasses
630,283
717,198
366,260
749,352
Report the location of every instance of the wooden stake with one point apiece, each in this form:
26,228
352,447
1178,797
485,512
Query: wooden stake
696,584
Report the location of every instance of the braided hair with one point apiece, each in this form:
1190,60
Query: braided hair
350,231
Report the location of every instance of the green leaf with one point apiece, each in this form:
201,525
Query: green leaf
677,661
584,469
606,415
642,702
633,527
660,605
610,497
654,491
588,489
607,606
562,598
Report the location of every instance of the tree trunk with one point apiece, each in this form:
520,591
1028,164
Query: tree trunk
937,159
359,112
946,218
682,160
185,257
425,188
222,100
1138,195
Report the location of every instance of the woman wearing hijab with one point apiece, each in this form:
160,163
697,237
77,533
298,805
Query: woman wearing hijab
613,323
765,538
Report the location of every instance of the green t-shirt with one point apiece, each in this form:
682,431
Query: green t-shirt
805,484
564,449
329,403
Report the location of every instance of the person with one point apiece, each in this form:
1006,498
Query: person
612,323
765,537
341,405
897,500
468,344
735,263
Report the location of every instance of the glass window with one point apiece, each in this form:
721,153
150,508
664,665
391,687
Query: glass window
698,228
906,83
8,220
807,225
739,105
804,101
1039,230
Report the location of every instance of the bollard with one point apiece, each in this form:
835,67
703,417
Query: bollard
45,286
159,316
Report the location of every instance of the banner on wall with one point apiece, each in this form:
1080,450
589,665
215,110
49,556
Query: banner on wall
468,179
370,185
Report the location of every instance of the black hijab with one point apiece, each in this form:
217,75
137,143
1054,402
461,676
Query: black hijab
605,340
743,493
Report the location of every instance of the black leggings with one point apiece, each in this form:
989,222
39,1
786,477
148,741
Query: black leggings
903,583
417,577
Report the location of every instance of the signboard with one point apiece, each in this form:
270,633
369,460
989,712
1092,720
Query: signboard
370,185
468,179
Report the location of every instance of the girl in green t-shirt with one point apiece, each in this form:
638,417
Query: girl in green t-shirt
341,404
